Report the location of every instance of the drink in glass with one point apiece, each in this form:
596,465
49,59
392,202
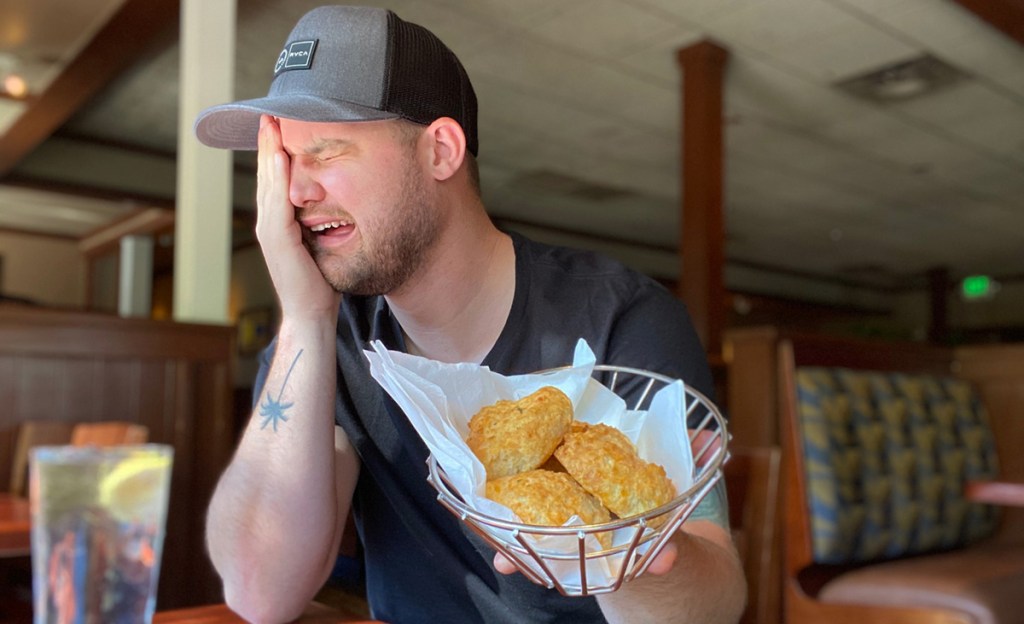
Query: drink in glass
98,517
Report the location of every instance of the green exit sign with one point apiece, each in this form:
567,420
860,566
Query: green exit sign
978,287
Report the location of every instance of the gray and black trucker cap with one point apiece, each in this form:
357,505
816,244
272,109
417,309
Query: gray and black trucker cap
346,63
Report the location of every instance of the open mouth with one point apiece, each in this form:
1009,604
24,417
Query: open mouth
331,228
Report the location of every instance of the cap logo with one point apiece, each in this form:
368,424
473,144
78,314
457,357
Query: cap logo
296,55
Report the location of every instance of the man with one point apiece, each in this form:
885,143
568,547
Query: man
370,219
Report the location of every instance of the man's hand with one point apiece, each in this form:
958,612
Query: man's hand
301,287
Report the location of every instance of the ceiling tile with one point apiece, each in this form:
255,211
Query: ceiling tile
849,50
983,178
935,25
759,85
696,11
462,31
769,27
602,28
996,60
518,13
658,57
959,103
571,80
544,116
890,138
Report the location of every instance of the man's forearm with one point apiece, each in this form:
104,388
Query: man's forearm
273,520
705,586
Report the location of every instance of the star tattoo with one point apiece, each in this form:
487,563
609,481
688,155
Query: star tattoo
273,410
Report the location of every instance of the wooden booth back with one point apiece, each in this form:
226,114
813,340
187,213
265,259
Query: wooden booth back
172,379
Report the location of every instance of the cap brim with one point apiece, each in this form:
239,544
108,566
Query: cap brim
236,125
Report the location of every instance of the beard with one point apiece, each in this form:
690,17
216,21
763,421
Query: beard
395,242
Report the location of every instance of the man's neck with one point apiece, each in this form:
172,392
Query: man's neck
457,306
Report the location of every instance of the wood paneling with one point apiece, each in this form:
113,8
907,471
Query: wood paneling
997,371
750,387
751,357
173,378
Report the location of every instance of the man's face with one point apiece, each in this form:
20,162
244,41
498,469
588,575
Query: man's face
364,201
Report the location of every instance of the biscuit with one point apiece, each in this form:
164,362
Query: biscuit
549,498
606,464
510,437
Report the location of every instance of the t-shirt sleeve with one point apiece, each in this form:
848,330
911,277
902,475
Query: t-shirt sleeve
714,506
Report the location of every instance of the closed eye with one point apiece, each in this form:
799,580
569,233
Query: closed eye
330,155
330,149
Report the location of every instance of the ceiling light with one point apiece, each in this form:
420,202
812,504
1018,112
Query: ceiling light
901,81
15,86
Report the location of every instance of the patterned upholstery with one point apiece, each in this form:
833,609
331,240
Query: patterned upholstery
886,456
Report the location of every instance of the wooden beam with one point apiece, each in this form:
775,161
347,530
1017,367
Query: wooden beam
702,285
142,221
114,48
1006,15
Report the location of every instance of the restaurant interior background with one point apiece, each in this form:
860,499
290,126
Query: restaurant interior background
867,144
873,171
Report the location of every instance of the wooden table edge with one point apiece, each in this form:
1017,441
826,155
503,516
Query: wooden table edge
220,614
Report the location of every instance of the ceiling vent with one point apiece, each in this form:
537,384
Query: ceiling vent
904,80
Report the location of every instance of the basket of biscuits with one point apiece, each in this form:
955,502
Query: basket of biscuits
578,475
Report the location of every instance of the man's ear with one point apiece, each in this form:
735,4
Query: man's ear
448,147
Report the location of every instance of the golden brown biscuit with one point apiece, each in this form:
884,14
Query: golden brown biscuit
549,498
510,437
605,463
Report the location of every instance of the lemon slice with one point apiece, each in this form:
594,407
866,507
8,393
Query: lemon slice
136,488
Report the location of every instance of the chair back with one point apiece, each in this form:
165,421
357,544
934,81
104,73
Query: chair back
32,433
109,433
752,479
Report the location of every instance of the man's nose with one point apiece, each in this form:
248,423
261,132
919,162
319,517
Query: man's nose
304,189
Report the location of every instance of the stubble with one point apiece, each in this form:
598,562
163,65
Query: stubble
395,240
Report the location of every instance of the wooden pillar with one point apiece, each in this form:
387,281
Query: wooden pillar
701,283
202,233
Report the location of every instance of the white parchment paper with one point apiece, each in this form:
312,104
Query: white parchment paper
439,399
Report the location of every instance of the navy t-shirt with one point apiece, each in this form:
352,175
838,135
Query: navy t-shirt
422,563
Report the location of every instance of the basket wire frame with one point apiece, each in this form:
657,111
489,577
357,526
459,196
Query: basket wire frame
654,527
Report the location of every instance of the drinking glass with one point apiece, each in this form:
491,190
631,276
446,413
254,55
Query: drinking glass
98,519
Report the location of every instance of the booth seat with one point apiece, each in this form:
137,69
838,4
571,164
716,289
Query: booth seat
880,526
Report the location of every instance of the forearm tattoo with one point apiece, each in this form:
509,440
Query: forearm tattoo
273,410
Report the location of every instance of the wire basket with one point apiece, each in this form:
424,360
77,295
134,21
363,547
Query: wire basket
638,538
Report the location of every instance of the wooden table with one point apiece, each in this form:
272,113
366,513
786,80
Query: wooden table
15,527
220,614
